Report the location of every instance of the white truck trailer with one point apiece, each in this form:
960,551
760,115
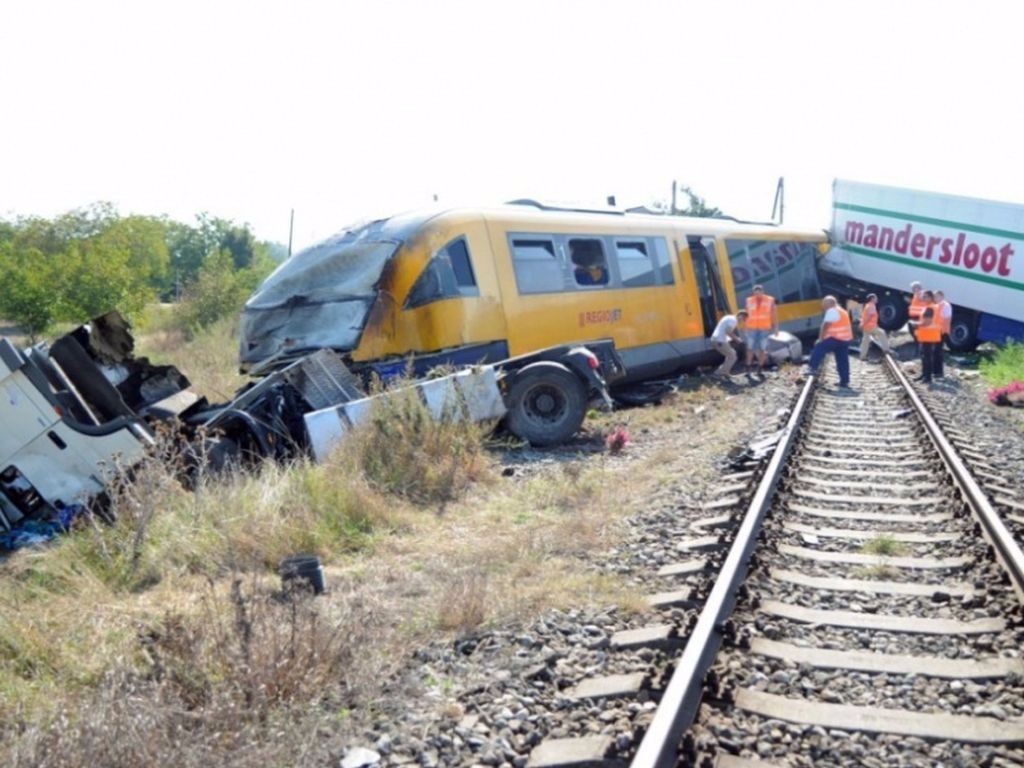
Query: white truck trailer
884,238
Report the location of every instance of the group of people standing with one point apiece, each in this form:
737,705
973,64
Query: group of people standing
931,318
930,321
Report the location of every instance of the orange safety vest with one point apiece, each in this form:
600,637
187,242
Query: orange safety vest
841,329
917,308
759,313
930,334
944,322
869,318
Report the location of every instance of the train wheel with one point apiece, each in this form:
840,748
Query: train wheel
547,404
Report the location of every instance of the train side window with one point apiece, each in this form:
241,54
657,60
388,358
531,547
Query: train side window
537,266
589,266
448,274
742,277
636,266
752,263
457,253
799,274
664,264
786,257
435,283
787,270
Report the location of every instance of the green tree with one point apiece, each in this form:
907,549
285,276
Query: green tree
91,260
241,244
27,295
98,277
190,245
219,290
697,206
142,241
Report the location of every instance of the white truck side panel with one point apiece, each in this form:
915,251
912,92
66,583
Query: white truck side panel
471,394
83,468
971,249
22,418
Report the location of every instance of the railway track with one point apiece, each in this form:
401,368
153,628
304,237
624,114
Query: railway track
868,610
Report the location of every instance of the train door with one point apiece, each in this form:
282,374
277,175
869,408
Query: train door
709,287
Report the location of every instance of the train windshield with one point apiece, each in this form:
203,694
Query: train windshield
318,298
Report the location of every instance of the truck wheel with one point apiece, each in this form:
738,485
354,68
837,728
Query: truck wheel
892,312
963,332
547,404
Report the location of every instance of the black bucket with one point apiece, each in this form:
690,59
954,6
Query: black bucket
302,568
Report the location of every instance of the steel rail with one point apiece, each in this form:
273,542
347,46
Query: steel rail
1006,548
679,703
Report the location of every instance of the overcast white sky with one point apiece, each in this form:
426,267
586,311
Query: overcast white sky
343,110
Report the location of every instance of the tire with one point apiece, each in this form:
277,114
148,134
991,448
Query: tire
963,332
892,312
546,404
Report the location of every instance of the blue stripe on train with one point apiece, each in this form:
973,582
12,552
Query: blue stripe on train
490,352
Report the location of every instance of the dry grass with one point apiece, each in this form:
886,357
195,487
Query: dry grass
877,572
517,552
232,682
68,612
151,609
463,605
161,639
403,451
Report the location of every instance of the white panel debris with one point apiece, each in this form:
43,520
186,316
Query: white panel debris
469,394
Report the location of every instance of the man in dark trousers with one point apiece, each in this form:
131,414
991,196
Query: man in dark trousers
835,336
929,336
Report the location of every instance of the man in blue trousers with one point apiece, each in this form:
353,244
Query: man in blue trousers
835,337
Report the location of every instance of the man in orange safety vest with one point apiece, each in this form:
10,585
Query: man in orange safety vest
762,321
869,327
929,336
918,303
835,337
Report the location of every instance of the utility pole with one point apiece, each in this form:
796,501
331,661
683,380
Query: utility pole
291,227
780,200
176,258
675,187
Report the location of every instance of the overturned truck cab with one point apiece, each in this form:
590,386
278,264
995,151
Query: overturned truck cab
74,413
79,411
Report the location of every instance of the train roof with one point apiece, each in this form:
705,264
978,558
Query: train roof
528,213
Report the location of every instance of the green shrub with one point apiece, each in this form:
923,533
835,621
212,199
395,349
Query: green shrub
218,291
1006,366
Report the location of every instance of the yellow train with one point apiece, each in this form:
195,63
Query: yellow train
484,284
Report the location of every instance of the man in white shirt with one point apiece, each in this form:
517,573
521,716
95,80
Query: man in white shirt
726,331
835,337
945,313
